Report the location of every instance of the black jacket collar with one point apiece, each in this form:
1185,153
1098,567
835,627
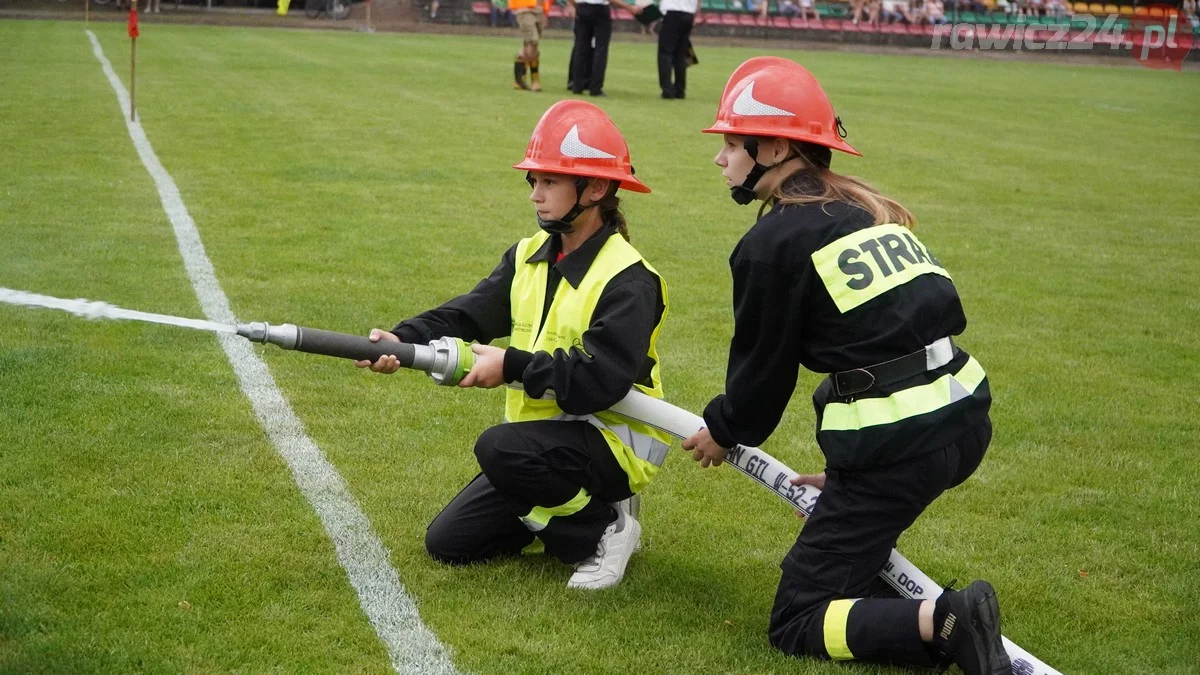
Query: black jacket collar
574,266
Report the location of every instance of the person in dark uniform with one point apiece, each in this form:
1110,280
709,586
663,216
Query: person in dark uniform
674,37
833,278
593,32
583,311
587,74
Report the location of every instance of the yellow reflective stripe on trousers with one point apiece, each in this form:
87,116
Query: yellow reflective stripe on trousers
837,614
540,516
869,412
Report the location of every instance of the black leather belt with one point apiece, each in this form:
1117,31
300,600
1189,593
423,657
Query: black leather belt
858,380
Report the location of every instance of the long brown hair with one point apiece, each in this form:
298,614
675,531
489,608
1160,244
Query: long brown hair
816,184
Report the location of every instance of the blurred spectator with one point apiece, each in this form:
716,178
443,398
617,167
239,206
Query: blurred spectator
1189,13
1059,9
154,6
872,11
887,11
895,11
789,8
501,12
975,6
759,7
934,12
808,9
858,9
1012,8
1033,7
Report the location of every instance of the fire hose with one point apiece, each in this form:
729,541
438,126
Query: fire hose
447,360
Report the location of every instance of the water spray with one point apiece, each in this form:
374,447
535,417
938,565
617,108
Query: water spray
446,360
90,309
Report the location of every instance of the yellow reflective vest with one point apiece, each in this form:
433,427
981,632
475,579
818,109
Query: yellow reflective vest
639,448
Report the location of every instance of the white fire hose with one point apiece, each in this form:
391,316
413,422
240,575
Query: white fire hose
447,360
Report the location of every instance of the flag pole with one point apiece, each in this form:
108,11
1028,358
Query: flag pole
132,78
133,36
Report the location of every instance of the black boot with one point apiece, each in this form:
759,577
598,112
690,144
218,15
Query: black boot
966,630
519,74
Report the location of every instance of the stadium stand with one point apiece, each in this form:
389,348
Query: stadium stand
729,18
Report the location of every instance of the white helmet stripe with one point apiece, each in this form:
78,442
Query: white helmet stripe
747,105
573,147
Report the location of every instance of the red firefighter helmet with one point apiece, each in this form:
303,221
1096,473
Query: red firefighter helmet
578,139
772,96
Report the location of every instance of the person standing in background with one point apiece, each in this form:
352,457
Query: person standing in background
673,38
593,21
587,75
531,19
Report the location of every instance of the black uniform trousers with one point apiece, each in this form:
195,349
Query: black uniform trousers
592,21
845,543
672,52
587,75
525,465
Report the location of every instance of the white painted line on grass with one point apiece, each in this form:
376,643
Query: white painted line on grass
411,646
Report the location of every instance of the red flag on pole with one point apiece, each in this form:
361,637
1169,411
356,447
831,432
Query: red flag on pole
133,35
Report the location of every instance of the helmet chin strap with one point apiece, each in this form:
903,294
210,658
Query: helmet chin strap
563,225
744,194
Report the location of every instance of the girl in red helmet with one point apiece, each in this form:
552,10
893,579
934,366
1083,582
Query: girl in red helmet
832,278
583,311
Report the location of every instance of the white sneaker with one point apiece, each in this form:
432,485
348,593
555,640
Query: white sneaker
606,567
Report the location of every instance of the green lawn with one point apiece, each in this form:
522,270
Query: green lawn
346,181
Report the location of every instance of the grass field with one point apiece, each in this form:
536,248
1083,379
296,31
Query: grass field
346,181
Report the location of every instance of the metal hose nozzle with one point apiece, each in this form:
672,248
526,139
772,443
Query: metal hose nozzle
446,359
286,336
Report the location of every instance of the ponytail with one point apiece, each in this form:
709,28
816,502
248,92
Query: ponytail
610,211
